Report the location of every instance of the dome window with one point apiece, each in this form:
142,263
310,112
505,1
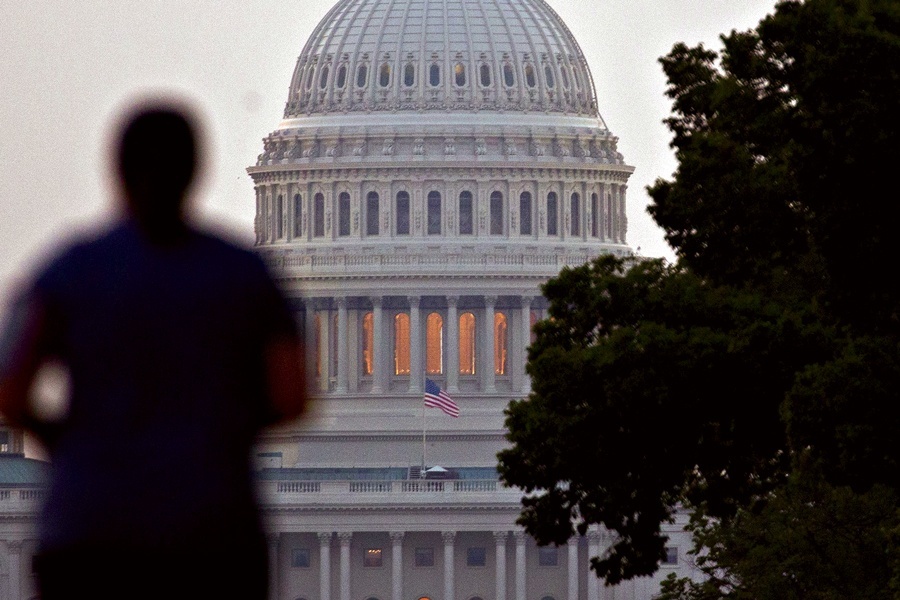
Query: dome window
362,74
496,213
434,344
575,213
525,213
485,75
530,79
409,75
384,75
563,71
309,77
577,79
459,74
323,79
372,213
368,344
402,213
344,214
401,344
434,75
501,344
552,214
508,77
466,220
341,76
548,75
319,215
467,344
434,213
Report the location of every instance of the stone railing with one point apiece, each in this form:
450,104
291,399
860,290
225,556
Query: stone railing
363,492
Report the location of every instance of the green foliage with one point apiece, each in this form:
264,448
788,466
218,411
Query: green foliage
757,380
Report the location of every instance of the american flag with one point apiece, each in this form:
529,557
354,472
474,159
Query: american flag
438,398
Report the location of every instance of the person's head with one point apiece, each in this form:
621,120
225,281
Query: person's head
157,159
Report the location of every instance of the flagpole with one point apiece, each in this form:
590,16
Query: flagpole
422,473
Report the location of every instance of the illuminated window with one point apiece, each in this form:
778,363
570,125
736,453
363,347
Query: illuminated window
318,333
467,344
372,557
368,344
496,213
300,558
279,216
401,344
466,220
485,75
548,75
402,213
344,214
595,214
530,79
372,213
459,74
576,215
552,214
434,344
319,215
501,346
424,558
409,75
384,75
323,81
361,75
525,213
434,213
298,215
4,441
341,76
434,75
548,556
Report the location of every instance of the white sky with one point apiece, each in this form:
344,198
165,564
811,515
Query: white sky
67,68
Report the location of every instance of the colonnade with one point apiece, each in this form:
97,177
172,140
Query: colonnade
594,589
336,365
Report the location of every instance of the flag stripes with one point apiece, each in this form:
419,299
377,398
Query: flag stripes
438,398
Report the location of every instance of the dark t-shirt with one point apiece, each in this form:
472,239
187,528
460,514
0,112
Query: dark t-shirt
165,347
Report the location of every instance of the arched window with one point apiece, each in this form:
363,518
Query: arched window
434,344
434,75
459,74
402,213
401,344
317,327
548,75
576,216
409,75
434,213
362,73
279,216
298,215
508,77
341,76
496,213
467,344
501,345
372,213
485,75
368,343
525,213
466,220
564,72
552,214
530,79
384,75
577,79
323,80
319,215
595,215
310,76
344,214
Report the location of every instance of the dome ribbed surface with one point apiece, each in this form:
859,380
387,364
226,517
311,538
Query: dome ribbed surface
450,55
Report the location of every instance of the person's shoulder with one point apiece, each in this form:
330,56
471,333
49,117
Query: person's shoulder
76,252
225,249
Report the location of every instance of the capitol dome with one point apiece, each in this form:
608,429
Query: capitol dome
459,56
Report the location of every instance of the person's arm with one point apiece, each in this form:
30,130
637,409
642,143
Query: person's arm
20,356
286,378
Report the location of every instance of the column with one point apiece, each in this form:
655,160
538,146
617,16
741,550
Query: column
325,566
343,352
416,364
378,346
487,351
593,582
525,387
572,565
500,538
449,588
452,348
309,332
519,536
396,565
273,539
15,568
344,538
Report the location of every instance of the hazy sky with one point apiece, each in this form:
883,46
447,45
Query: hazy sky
68,67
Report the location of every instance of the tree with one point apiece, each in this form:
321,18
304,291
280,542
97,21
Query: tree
757,380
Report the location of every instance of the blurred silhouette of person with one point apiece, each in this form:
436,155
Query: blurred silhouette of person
179,348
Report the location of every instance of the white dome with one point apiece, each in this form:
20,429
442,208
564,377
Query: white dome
449,55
